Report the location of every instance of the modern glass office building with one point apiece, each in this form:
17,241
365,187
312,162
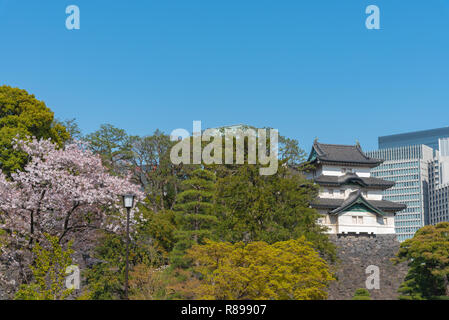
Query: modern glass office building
419,164
407,166
426,137
439,185
438,200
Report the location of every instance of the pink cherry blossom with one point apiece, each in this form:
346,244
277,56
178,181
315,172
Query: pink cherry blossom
64,192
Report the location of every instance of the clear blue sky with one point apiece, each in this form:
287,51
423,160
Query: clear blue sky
309,68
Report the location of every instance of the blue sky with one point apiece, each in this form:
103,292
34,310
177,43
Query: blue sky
309,68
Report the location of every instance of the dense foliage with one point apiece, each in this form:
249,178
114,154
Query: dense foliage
427,255
51,261
22,115
361,294
195,216
69,186
273,208
287,270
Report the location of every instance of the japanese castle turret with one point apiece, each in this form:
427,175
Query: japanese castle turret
350,200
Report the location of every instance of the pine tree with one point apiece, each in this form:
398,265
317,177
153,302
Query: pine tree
194,214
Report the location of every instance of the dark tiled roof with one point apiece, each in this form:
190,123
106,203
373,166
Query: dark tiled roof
335,204
353,178
342,154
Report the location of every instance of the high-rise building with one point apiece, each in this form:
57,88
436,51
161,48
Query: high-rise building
427,137
419,163
408,167
438,200
439,185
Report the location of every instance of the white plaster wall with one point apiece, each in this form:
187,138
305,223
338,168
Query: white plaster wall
363,172
343,223
337,194
375,195
336,171
331,171
326,221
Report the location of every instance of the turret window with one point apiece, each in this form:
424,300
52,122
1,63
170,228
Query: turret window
357,220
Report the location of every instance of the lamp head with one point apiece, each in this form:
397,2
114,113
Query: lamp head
128,200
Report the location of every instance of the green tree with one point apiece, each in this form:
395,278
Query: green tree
154,171
361,294
49,267
427,255
287,270
290,152
252,207
163,283
150,245
106,279
274,208
22,115
112,144
72,128
194,213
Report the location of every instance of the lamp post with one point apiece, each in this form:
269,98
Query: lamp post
128,203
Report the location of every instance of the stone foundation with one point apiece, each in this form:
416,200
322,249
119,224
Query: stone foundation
355,254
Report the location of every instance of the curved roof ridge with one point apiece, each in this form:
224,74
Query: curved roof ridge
351,177
354,198
332,204
339,153
336,145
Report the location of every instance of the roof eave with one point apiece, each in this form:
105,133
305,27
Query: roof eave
351,163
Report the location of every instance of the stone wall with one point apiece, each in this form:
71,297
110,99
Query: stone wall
355,254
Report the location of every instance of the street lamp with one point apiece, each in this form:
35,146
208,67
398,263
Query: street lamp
128,203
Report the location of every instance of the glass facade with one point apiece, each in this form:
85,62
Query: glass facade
438,193
427,137
408,168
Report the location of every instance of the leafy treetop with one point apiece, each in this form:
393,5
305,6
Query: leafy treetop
22,115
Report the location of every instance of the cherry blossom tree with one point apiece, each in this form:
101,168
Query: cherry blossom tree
61,192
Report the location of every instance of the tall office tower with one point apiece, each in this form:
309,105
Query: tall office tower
439,185
438,209
427,137
408,167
